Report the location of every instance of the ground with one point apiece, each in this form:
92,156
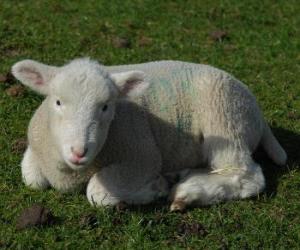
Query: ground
257,41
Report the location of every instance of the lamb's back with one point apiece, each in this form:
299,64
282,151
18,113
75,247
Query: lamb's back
172,103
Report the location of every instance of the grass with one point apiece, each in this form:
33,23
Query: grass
262,49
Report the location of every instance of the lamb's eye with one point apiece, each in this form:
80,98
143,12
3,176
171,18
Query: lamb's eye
58,103
104,108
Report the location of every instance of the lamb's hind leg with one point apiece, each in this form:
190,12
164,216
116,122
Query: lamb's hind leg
31,173
239,178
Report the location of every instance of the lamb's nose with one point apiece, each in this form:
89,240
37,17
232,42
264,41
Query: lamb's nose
79,152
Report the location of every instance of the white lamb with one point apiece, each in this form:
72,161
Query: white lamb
98,126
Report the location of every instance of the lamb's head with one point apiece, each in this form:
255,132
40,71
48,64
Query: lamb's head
81,99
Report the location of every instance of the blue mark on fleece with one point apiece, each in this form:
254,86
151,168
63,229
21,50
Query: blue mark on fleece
184,116
171,92
163,93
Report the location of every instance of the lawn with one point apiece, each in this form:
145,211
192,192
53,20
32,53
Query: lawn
257,41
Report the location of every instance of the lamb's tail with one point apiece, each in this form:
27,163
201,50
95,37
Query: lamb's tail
272,147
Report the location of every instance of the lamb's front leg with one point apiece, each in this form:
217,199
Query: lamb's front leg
115,184
31,173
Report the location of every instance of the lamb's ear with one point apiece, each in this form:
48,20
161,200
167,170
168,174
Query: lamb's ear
34,75
130,83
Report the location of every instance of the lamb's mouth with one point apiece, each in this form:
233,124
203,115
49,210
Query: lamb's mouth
78,161
78,165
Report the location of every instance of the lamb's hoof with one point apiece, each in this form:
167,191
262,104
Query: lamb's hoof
178,206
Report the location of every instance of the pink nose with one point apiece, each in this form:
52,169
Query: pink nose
79,152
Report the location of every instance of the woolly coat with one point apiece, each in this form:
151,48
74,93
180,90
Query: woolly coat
188,112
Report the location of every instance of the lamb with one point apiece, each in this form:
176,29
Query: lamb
125,132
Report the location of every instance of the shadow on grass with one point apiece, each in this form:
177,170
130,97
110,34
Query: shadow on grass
290,141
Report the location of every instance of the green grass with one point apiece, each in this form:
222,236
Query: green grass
262,50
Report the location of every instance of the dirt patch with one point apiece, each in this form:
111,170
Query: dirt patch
218,35
15,90
89,220
292,115
7,78
144,41
121,42
189,229
36,215
19,146
2,78
117,221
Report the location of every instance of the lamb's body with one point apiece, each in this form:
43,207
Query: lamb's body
191,115
187,101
